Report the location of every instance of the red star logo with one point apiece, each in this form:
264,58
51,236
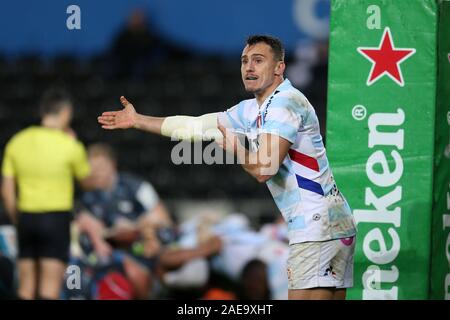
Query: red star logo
386,59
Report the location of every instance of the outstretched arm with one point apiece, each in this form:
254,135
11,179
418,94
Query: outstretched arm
129,118
173,258
178,127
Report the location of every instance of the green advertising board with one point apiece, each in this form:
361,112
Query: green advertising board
440,246
383,113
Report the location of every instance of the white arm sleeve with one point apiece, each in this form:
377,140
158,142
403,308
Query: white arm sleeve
192,128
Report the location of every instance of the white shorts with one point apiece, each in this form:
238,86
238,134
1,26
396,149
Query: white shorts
321,264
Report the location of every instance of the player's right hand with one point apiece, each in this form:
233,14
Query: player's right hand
122,119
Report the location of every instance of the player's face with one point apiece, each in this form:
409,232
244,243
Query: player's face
103,170
259,69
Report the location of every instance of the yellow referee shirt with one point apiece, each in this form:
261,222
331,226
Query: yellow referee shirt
43,162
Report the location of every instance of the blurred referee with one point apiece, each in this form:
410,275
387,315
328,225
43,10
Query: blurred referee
40,162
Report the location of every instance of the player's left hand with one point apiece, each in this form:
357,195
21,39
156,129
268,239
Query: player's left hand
230,140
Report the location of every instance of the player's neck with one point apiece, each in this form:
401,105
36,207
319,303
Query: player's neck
262,96
52,123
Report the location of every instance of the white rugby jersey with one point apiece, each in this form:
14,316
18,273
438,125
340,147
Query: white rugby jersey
303,188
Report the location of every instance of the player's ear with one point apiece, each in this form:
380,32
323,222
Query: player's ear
279,69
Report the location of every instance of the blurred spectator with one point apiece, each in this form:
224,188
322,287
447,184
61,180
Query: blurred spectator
240,245
41,162
124,219
125,222
309,73
137,47
254,284
184,266
309,59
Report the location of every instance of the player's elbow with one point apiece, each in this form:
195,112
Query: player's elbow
262,173
262,178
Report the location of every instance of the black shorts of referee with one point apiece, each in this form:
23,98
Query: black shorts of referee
44,235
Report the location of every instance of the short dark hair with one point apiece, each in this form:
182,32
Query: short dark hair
102,149
54,100
274,43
